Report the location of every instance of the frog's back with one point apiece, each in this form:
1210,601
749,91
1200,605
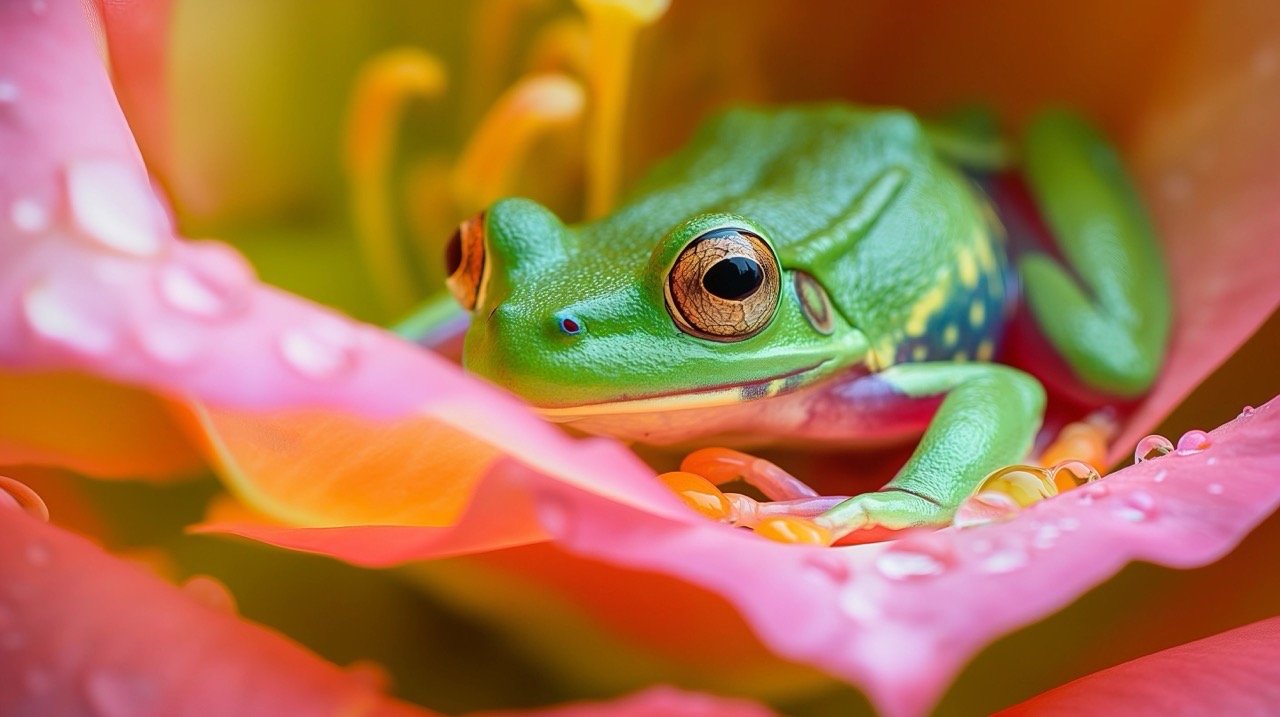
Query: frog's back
857,198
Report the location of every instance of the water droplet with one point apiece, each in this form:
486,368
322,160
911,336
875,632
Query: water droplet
210,592
28,215
554,515
1069,524
1152,447
1160,476
1046,536
213,281
111,694
1004,560
903,560
114,206
985,507
1211,461
37,681
9,92
58,317
1069,475
1193,442
859,605
170,345
1216,489
829,566
17,495
1137,507
1092,492
1025,484
1247,411
321,351
38,554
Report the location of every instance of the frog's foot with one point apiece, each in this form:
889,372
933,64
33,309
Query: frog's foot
889,509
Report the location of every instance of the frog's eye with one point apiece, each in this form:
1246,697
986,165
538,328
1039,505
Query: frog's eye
724,285
464,261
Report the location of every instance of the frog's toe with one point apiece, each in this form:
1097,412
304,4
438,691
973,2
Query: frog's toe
886,510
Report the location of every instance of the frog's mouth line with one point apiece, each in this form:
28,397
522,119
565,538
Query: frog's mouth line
722,395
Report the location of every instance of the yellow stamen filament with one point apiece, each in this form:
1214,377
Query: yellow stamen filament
383,86
429,210
525,112
612,27
561,46
493,34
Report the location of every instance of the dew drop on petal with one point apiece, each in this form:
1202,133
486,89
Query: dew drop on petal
14,494
1004,560
1247,411
170,345
321,351
829,566
1160,476
210,281
1025,484
1152,447
1216,489
1069,524
210,592
28,215
1092,492
59,318
1137,507
904,560
1046,536
113,206
110,694
985,507
1192,442
1069,475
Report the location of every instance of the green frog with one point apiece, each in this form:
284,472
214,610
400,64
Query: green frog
828,275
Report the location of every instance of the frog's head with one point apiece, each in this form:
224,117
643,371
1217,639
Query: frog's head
593,320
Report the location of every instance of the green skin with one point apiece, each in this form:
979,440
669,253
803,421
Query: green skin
873,205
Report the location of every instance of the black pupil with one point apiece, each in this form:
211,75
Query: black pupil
734,278
453,253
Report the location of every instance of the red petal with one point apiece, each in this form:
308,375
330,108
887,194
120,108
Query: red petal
1235,673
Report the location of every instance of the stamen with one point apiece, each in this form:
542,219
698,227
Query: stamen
612,26
493,34
528,110
699,494
18,495
723,465
561,46
383,86
1081,441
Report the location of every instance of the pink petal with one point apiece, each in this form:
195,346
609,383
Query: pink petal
1236,673
84,633
898,619
663,701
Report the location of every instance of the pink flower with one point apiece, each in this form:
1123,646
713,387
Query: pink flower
386,454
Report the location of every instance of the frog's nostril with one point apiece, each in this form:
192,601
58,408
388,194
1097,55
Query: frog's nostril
569,324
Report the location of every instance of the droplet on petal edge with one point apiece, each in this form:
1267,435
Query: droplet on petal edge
57,318
904,560
1137,507
1069,475
985,507
14,494
210,592
323,351
1025,484
29,215
1247,411
1004,560
113,206
1192,442
1152,447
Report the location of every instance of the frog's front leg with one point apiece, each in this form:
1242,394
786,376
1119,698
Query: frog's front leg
988,418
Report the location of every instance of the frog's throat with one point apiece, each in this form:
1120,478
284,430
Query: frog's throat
707,397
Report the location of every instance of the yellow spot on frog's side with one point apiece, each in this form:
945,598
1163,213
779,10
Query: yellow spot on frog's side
968,269
881,356
986,349
977,313
926,307
960,357
950,335
920,352
982,247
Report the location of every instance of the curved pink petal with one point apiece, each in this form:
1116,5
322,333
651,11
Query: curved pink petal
84,633
1236,672
898,619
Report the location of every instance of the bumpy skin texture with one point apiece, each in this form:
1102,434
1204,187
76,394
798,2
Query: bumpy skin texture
864,207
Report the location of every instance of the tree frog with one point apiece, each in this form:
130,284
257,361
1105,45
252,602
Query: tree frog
823,275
